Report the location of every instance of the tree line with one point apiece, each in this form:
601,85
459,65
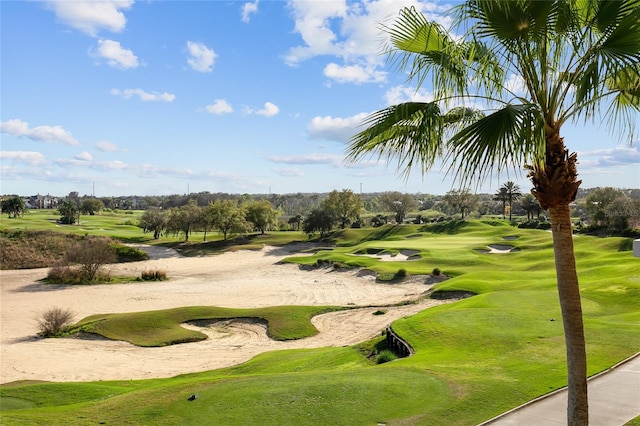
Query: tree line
599,209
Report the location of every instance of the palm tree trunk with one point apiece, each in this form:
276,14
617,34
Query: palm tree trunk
555,186
570,304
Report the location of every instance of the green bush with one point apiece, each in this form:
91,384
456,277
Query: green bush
385,356
129,254
436,272
400,274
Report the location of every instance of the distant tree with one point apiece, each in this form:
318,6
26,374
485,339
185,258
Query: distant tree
261,214
13,206
344,205
398,203
90,256
153,220
295,221
75,197
512,192
502,197
91,206
184,219
227,217
609,207
530,205
319,220
69,212
378,220
460,201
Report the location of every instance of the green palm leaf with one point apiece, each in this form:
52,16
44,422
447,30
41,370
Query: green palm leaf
511,136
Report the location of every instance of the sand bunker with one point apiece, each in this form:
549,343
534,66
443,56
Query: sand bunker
498,249
402,256
242,279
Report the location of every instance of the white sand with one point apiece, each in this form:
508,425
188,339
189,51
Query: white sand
241,279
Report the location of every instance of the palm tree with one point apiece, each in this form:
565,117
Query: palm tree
529,204
577,60
502,196
512,192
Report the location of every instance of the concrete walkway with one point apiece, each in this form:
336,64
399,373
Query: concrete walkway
614,399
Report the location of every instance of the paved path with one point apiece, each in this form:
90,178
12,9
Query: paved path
614,399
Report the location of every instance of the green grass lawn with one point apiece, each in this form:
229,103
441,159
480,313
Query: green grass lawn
474,358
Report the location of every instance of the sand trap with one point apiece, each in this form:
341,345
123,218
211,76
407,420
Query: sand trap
241,279
498,249
402,256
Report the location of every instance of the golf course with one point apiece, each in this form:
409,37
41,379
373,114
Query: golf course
282,329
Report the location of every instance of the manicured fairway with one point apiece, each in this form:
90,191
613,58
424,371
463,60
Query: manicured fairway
474,358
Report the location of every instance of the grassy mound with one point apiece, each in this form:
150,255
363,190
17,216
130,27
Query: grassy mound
162,328
25,249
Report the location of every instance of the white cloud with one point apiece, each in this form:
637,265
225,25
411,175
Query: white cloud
516,85
354,74
331,159
313,23
84,156
144,96
249,9
400,94
219,106
335,128
106,146
115,55
17,127
31,158
289,171
110,165
350,31
201,57
610,157
269,110
91,16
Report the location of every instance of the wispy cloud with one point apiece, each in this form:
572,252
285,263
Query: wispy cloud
31,158
610,157
84,156
106,146
289,172
17,127
201,58
144,96
249,9
331,159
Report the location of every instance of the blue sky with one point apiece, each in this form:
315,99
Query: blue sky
165,97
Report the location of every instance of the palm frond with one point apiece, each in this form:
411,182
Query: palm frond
511,136
413,133
420,47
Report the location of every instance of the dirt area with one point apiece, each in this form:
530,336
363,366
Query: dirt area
241,279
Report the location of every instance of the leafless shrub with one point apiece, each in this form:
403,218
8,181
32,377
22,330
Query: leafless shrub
90,256
54,321
154,275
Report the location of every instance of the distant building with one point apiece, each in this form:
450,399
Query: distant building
42,202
